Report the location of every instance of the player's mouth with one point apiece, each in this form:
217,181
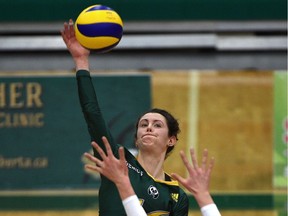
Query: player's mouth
148,135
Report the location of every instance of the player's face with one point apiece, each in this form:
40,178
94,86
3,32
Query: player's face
153,131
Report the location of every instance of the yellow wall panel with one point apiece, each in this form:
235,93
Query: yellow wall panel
234,121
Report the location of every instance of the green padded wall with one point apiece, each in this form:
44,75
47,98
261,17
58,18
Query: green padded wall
148,10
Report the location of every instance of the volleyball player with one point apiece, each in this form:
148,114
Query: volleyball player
156,136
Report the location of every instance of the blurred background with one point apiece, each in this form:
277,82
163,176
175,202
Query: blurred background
219,66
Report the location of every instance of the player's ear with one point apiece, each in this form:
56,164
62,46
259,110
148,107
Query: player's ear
136,142
172,141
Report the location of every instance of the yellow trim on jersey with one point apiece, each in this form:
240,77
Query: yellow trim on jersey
172,182
158,213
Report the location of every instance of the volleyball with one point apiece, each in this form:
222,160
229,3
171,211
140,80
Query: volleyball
99,28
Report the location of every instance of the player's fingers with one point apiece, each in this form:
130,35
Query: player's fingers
186,162
204,159
99,150
71,28
178,178
123,160
90,157
121,155
107,146
65,27
94,168
211,165
64,32
193,158
93,159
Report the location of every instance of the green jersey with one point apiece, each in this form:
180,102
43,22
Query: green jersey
158,198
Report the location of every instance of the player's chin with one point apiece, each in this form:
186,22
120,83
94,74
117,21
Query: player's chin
148,140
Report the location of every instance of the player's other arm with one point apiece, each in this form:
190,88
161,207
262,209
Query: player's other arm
197,183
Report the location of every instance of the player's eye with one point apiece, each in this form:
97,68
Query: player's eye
158,125
143,124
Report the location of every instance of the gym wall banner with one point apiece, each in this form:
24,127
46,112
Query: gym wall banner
43,134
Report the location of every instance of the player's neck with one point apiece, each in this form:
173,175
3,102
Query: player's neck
152,165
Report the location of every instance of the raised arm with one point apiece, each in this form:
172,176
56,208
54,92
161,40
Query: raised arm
87,95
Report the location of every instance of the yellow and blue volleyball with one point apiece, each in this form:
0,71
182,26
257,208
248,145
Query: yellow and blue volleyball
99,28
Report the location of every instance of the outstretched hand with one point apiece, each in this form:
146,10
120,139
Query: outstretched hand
79,53
112,168
197,183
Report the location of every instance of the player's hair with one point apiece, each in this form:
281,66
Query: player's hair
172,123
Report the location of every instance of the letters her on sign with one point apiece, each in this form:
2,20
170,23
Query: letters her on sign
23,100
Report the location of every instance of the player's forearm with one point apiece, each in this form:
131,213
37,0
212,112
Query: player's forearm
129,198
81,63
203,199
125,188
206,204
